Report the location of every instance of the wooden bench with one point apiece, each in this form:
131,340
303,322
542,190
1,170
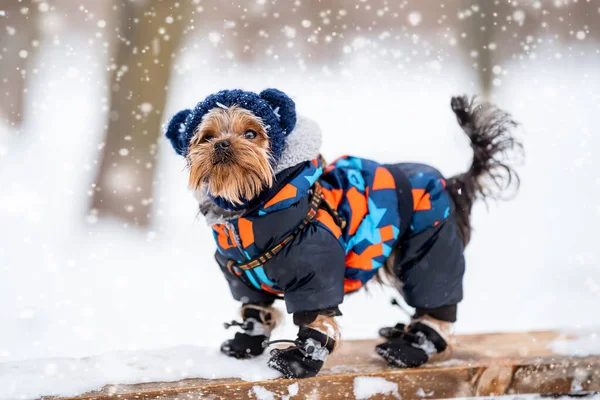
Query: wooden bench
483,365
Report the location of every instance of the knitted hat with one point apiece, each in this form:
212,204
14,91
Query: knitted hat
276,109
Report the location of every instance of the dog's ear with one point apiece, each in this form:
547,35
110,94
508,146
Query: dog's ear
283,106
177,132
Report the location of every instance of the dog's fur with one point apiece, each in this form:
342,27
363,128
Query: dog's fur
489,176
244,169
241,171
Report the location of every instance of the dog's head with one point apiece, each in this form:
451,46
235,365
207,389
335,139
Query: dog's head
232,140
230,154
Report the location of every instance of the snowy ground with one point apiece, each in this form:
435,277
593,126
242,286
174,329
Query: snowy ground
73,376
71,286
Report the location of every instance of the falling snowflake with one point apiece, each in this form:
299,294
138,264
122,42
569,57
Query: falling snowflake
146,108
289,32
214,37
414,18
519,16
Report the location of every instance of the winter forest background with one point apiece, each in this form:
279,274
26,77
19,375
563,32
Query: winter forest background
101,248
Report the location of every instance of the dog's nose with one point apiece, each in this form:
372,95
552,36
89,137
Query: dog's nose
222,144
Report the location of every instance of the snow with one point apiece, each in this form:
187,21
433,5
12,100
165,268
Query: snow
422,393
214,37
73,376
262,393
584,344
74,284
367,386
414,18
590,396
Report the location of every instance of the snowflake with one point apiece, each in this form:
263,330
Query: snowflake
414,18
214,37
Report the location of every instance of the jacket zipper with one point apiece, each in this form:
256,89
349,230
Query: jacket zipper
235,238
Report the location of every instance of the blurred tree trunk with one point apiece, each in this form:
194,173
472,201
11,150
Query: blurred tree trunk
484,32
149,34
18,30
480,33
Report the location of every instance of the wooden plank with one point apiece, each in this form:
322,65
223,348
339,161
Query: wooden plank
483,365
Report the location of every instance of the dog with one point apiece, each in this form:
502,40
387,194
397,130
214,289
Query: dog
289,226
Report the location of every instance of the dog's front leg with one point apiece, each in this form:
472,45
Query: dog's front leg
257,323
318,336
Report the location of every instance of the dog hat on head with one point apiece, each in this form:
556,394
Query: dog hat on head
276,109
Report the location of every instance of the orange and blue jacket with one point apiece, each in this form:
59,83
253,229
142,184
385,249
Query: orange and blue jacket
326,260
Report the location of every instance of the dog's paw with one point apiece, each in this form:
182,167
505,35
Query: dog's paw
402,354
244,346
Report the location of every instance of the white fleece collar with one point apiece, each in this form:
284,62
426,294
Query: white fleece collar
302,144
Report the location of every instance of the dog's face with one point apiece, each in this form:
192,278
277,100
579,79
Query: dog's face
229,154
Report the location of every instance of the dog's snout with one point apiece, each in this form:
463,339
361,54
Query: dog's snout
222,144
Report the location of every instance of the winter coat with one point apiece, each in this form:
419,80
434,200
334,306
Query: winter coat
326,260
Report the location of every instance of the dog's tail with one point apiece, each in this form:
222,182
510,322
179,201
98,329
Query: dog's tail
490,174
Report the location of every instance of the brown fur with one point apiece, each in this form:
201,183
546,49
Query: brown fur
275,314
246,169
329,326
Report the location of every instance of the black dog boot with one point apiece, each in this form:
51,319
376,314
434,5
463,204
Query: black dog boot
425,339
306,358
258,322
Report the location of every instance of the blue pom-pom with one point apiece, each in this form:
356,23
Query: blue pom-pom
284,106
177,132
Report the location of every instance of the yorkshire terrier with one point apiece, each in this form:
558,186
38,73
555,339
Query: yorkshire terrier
288,226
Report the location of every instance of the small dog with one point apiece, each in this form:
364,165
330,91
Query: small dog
288,226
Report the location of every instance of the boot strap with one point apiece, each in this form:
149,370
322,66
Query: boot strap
326,341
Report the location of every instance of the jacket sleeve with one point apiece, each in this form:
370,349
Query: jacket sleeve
241,291
310,270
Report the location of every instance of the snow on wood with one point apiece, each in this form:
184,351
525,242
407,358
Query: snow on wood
483,365
366,387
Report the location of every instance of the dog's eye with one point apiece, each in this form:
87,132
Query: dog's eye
208,138
250,134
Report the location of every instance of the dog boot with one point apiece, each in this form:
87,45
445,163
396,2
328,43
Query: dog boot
425,339
258,322
306,358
